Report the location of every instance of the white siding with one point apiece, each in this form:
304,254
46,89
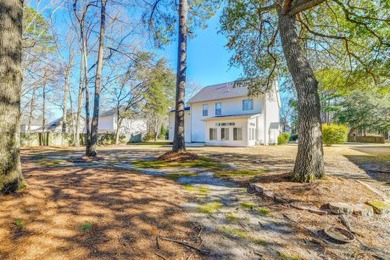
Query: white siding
239,123
187,126
231,106
106,124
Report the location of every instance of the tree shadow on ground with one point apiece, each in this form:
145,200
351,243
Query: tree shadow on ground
94,213
376,167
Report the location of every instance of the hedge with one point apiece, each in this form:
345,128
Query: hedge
283,138
334,134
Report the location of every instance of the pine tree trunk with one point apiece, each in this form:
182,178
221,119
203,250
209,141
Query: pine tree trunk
11,13
179,138
98,81
309,164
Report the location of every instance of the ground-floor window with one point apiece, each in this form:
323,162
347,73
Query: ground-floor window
237,134
213,134
224,133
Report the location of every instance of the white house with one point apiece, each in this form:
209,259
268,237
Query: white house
108,122
224,115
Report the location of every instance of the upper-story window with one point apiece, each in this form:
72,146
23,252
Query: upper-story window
205,109
247,104
218,109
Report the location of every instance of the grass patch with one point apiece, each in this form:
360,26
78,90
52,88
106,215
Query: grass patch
263,211
238,173
19,223
190,188
50,163
177,175
247,205
259,241
200,163
209,208
158,143
231,217
87,227
201,190
235,232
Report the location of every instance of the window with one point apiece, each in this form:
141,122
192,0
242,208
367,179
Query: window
205,109
237,134
247,104
218,109
224,134
213,134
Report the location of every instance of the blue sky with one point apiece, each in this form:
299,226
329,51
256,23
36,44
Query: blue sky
208,58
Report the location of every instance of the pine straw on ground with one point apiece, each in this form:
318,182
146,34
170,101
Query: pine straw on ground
178,157
95,213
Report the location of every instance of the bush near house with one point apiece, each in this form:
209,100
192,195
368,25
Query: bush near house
293,137
283,138
334,134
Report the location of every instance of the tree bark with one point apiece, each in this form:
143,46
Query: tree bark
11,15
98,81
30,116
66,94
79,104
179,137
43,114
309,163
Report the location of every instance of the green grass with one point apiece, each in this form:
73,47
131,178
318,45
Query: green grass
285,256
263,211
235,232
201,190
49,163
176,175
190,188
231,217
87,226
209,208
238,173
378,204
252,206
247,205
242,234
158,143
19,223
200,163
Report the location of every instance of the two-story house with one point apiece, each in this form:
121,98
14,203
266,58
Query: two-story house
224,115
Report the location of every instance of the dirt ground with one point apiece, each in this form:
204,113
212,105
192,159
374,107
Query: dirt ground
77,209
93,213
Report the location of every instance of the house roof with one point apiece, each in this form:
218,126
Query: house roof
221,91
232,116
110,112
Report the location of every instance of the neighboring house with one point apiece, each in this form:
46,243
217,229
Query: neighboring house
34,125
55,126
224,115
108,122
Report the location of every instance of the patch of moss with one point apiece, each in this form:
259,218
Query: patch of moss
247,205
177,175
200,163
378,204
87,226
259,241
238,173
49,163
230,217
263,211
190,188
209,208
235,232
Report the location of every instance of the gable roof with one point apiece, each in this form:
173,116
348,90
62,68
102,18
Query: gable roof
110,112
221,91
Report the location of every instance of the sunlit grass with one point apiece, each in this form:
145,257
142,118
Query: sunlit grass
209,208
199,163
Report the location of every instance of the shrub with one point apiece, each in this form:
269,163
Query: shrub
334,134
293,137
283,138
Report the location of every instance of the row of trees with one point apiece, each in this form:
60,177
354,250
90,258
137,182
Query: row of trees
268,38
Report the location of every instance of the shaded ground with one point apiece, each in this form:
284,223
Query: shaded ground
127,211
90,213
